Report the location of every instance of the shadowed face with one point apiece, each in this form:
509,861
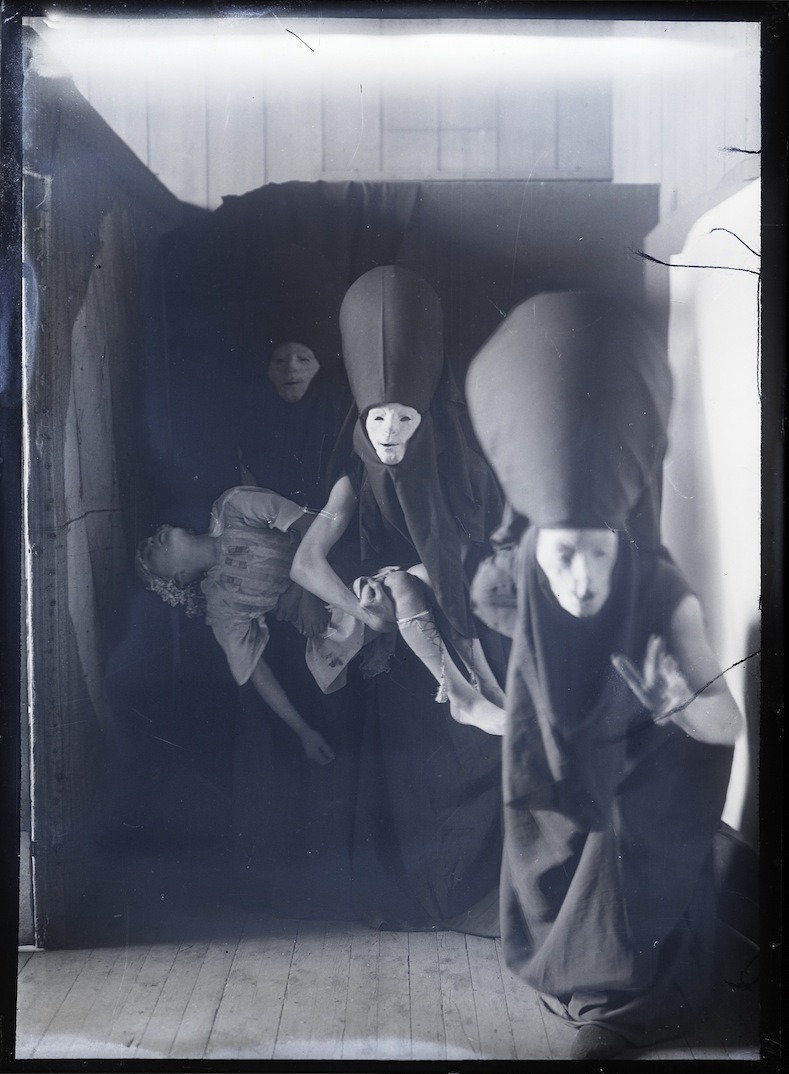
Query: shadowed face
168,553
389,428
291,370
578,564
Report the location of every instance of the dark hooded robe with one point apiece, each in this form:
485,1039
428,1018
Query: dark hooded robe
287,446
292,818
607,898
427,840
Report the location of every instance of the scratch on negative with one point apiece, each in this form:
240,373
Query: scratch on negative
287,31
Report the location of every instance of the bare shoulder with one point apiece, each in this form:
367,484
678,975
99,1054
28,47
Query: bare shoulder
689,644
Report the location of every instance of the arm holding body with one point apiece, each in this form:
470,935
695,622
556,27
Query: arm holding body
311,568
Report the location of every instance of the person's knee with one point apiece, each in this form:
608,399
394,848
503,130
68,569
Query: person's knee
408,594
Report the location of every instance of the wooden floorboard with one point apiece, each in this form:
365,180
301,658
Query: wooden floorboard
424,975
254,987
302,995
495,1034
41,990
523,1014
250,1009
360,1035
328,1025
459,1014
194,1030
394,1004
168,1011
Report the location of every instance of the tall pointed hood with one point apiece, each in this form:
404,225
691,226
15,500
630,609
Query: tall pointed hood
392,339
570,399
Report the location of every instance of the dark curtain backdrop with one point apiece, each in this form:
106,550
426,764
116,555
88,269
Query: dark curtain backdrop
235,777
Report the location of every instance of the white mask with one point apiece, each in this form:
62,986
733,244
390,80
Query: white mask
389,428
578,564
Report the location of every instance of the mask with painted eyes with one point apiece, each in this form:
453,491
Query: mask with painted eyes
389,428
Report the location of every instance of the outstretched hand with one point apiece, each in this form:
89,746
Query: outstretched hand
316,747
660,687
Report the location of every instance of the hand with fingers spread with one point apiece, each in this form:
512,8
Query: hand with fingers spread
660,687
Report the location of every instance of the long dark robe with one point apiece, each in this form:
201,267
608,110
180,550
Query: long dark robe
293,819
427,837
287,446
607,896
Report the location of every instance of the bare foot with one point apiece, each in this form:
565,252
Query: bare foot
479,713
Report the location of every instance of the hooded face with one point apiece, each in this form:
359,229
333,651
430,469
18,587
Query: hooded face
578,564
291,370
389,428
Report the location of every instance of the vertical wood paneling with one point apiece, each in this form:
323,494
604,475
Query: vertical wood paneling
583,129
177,139
637,129
352,130
472,107
672,128
236,140
468,153
294,134
410,154
527,130
752,124
407,110
123,103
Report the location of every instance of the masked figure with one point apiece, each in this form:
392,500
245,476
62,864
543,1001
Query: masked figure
426,842
618,734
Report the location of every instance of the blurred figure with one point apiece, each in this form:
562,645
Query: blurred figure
619,727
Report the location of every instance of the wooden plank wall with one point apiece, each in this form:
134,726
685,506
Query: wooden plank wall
213,136
209,135
678,129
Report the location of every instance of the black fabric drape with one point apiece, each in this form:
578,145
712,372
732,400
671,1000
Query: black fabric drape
607,897
482,247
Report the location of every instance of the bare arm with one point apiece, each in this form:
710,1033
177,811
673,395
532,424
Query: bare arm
712,716
682,681
268,686
311,567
